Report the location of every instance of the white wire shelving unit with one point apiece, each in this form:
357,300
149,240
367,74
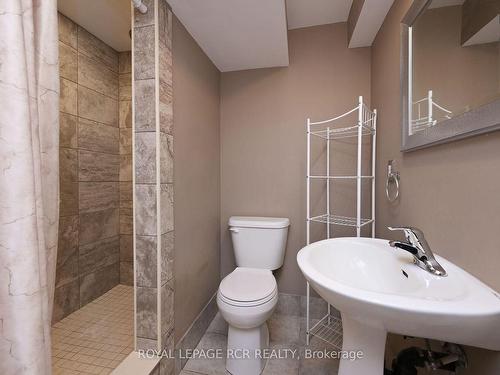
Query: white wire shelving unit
329,327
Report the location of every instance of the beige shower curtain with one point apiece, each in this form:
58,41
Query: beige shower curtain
29,180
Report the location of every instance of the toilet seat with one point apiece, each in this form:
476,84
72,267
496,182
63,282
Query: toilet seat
246,287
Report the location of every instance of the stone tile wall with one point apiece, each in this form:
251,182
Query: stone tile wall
125,121
154,198
94,206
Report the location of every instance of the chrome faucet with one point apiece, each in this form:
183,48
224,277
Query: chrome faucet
419,248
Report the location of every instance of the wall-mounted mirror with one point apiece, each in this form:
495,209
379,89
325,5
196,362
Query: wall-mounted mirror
450,71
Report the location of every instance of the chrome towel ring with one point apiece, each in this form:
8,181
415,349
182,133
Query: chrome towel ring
392,177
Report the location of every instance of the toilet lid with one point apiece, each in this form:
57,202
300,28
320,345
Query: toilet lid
248,284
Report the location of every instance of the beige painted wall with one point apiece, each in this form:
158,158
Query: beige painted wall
196,117
450,191
263,140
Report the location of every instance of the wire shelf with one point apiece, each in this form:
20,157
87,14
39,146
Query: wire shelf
339,133
340,177
340,220
329,329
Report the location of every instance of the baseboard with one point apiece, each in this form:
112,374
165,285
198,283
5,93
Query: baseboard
195,332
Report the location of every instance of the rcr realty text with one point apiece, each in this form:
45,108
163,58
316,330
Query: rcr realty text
246,354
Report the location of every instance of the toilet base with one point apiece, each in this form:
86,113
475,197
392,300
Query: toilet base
245,350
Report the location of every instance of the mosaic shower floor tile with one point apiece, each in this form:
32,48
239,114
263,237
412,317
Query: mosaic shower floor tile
96,338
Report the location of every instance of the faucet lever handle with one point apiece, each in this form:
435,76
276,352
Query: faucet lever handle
408,231
412,234
400,228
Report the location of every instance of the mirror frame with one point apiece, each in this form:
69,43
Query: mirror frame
480,120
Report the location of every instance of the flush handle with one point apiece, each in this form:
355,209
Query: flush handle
234,230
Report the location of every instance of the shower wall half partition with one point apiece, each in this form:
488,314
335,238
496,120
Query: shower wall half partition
154,177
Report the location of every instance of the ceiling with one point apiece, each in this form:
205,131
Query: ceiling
109,20
305,13
237,34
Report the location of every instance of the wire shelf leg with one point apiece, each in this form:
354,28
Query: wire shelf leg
308,223
307,313
358,174
308,180
328,183
374,165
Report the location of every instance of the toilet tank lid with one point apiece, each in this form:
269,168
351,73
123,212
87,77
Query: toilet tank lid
259,222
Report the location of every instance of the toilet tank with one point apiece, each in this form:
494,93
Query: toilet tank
259,242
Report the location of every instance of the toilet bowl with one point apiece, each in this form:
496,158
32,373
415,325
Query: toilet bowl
246,299
247,296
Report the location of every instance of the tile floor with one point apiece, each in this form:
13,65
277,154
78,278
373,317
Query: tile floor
96,338
286,332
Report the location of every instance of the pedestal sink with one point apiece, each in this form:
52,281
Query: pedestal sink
378,289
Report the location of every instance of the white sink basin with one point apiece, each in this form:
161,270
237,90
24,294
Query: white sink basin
378,289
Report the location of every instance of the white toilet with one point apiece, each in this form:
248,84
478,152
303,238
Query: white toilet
248,295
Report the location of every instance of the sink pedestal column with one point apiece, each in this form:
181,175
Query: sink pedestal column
370,341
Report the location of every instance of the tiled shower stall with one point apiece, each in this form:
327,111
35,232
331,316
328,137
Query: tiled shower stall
98,200
95,229
93,315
